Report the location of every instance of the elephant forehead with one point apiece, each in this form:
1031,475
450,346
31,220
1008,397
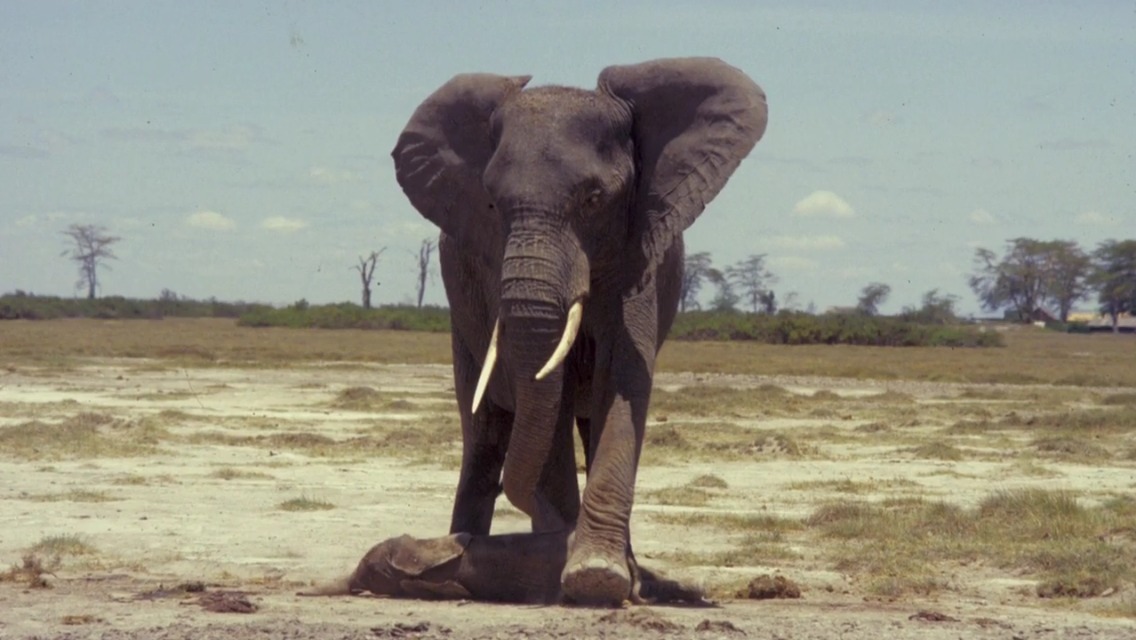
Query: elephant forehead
548,109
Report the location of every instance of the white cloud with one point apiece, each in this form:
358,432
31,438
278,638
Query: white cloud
210,220
800,243
1096,218
982,216
282,224
233,138
823,203
326,176
791,263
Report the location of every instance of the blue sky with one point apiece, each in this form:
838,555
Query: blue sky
241,149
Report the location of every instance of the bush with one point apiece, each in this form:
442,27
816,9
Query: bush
24,306
350,316
795,328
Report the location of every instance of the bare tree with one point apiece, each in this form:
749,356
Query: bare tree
695,269
752,280
366,269
871,297
424,251
91,250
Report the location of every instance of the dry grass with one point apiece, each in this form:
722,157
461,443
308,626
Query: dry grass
893,547
194,342
1030,355
305,503
30,572
83,435
63,545
719,440
232,473
902,546
75,495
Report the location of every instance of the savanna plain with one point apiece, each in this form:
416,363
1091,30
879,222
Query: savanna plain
183,478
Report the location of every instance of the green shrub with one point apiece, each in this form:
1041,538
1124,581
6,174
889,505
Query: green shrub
24,306
794,328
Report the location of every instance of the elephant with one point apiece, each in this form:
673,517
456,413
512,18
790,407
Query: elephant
561,212
520,568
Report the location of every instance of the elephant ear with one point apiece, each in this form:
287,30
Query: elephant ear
441,154
695,119
413,558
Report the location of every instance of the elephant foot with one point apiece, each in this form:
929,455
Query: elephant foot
597,581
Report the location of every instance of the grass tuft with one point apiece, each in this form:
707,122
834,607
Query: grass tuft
304,503
64,545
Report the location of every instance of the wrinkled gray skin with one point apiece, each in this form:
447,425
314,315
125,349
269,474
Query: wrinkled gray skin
521,568
550,196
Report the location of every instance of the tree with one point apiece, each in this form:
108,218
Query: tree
1018,281
751,280
936,309
769,302
91,250
871,297
1032,272
1113,275
1068,271
366,269
695,270
424,251
725,299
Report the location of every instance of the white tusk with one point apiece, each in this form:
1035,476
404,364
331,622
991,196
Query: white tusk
571,328
487,369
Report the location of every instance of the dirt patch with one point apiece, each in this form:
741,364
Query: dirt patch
196,464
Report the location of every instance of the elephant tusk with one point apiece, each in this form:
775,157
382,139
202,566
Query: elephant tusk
571,328
487,369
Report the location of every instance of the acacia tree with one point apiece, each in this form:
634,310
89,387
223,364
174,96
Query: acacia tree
752,281
424,252
725,299
366,269
1114,277
1032,272
1067,278
871,297
1017,281
695,270
91,250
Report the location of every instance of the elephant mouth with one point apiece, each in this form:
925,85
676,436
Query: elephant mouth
567,339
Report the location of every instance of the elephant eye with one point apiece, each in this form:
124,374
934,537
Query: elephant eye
594,197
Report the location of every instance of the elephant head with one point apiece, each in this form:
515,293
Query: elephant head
571,201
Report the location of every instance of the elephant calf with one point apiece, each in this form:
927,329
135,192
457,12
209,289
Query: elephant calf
520,568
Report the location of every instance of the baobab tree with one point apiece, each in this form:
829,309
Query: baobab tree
366,269
91,250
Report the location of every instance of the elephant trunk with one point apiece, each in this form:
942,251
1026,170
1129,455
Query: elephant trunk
542,278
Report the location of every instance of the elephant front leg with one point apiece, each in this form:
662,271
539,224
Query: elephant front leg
485,439
598,570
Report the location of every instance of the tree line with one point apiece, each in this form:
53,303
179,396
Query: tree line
1034,274
1029,277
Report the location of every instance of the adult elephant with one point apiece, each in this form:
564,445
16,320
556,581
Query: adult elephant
561,213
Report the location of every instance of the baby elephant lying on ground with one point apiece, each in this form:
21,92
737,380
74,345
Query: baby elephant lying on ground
522,568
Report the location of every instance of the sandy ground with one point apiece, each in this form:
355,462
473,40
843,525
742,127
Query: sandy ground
171,520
